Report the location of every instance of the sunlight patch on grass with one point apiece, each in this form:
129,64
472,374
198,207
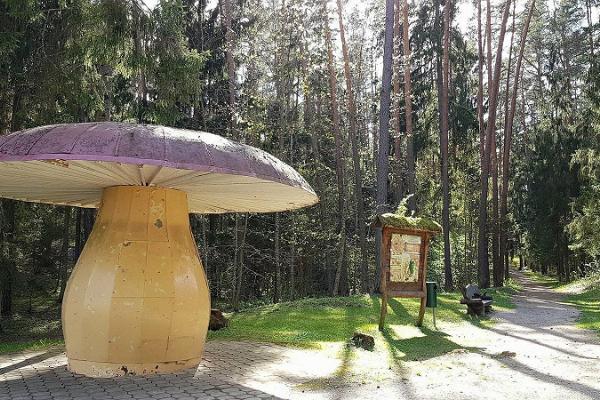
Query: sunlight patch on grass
311,322
588,303
41,344
544,280
406,331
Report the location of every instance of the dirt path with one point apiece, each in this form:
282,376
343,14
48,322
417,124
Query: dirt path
546,356
532,352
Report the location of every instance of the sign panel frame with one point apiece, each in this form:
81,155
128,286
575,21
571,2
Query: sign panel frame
407,288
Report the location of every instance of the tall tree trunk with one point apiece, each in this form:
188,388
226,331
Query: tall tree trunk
398,172
501,226
64,252
480,117
508,128
339,157
444,111
309,111
384,124
410,147
488,36
480,85
277,254
240,242
588,13
354,139
229,44
484,273
292,280
8,267
497,266
139,43
7,229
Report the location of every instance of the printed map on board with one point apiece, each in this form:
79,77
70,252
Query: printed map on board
404,260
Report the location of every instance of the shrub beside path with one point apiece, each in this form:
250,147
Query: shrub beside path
532,352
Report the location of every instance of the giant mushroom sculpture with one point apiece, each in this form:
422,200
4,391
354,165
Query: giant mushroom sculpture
137,300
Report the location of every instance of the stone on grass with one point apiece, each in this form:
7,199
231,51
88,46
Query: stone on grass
217,320
363,341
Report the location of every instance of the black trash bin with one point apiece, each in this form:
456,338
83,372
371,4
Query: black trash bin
432,298
431,294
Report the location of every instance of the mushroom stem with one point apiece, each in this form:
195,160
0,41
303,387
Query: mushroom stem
137,301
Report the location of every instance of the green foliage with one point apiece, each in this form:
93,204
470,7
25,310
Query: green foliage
176,68
584,229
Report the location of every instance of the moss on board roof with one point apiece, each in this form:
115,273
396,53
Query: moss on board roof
400,219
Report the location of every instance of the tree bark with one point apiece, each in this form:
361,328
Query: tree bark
497,266
354,139
8,270
277,251
64,252
229,43
240,242
588,14
410,147
508,128
484,273
480,85
384,124
399,177
339,157
444,111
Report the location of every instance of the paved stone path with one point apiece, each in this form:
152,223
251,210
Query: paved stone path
533,352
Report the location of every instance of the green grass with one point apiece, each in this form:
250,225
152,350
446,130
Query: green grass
312,322
544,280
34,325
40,344
588,302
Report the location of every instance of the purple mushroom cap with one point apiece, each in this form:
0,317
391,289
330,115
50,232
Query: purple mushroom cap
71,164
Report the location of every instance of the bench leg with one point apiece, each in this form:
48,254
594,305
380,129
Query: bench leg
475,310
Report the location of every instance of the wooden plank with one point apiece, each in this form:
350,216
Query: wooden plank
407,294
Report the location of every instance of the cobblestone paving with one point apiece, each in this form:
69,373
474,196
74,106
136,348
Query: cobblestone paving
229,371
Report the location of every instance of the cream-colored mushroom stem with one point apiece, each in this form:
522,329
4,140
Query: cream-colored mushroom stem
137,301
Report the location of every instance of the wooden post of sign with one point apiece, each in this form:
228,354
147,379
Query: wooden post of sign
384,300
424,251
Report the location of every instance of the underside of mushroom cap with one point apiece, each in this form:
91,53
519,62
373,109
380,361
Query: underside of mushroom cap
71,164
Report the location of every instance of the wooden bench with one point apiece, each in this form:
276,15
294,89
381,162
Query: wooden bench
476,305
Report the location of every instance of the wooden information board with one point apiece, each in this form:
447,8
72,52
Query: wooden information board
404,266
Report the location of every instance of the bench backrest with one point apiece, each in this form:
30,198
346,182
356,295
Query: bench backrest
471,290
